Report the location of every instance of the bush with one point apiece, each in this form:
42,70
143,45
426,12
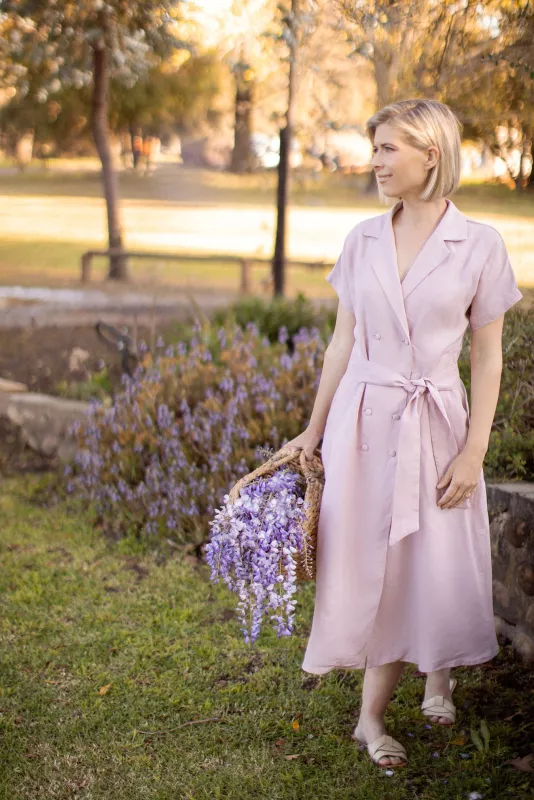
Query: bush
198,417
272,315
186,427
510,454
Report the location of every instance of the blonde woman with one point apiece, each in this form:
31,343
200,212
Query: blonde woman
403,556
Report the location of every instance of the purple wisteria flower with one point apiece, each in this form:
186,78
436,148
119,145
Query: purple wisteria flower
254,545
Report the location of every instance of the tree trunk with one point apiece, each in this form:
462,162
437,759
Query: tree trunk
279,258
527,153
284,167
118,268
241,155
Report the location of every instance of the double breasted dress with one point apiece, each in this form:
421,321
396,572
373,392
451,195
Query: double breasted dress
398,578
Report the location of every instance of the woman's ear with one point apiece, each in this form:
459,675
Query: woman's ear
432,157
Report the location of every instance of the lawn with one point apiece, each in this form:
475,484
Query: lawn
49,218
123,674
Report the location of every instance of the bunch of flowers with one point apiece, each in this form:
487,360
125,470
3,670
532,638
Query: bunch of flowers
191,421
253,548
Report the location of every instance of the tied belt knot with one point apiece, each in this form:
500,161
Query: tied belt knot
406,499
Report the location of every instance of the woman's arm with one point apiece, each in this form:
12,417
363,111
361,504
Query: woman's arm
486,369
335,362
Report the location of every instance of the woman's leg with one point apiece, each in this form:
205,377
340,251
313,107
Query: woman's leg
438,683
378,685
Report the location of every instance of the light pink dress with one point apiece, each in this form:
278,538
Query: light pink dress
398,578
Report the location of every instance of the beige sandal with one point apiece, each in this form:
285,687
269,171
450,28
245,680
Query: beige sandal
385,746
439,706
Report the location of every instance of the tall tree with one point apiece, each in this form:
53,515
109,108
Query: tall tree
237,28
422,47
297,21
291,24
86,43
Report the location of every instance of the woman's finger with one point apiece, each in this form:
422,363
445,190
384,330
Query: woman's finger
449,502
462,494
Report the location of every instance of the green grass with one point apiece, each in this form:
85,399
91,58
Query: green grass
79,613
56,264
176,183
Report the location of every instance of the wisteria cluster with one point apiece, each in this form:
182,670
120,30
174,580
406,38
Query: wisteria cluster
254,546
191,421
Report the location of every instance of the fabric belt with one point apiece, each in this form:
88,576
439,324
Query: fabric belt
405,513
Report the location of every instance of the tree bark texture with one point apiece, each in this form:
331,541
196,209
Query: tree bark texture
118,268
244,99
284,167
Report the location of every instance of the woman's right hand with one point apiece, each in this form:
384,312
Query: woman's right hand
307,441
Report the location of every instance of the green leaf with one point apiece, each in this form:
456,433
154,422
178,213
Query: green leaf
477,741
485,734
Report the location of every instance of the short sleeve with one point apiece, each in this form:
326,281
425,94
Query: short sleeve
338,277
497,290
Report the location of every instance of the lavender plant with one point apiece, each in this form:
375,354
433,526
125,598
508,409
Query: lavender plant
253,549
190,422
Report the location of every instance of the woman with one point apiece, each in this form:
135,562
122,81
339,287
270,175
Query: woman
403,556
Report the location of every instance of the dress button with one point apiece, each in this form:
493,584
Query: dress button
396,416
368,411
406,341
365,447
393,452
377,336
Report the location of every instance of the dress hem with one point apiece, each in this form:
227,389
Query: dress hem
447,665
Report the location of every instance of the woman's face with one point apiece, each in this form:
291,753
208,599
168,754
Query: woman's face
404,167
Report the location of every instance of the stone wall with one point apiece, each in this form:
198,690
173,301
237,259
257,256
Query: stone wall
511,510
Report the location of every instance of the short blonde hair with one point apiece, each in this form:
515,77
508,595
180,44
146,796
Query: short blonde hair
424,123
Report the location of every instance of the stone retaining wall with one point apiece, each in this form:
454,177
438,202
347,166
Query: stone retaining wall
511,510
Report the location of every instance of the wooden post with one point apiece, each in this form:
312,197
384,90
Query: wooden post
245,276
86,267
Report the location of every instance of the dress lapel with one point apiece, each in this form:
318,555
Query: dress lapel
435,252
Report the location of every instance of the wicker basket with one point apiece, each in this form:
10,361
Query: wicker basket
312,473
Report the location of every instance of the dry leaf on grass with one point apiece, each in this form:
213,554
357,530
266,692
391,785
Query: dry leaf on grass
522,764
295,725
104,689
291,758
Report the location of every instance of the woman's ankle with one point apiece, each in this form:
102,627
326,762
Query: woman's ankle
438,682
369,717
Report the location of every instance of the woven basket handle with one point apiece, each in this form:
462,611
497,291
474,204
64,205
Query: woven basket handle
283,456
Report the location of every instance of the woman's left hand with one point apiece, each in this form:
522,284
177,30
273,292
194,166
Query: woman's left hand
462,477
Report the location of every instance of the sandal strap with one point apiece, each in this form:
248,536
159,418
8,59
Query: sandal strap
386,745
439,706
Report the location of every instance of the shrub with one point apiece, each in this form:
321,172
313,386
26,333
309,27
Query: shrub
189,424
200,415
272,315
510,454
